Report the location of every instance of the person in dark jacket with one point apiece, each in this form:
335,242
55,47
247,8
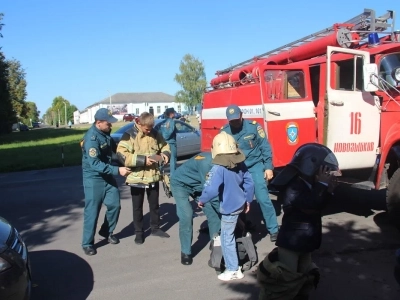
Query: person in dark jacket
305,186
99,184
229,179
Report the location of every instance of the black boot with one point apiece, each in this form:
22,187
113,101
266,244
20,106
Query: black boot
158,232
112,239
89,250
139,239
186,259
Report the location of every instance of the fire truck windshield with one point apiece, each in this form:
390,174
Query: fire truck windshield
390,68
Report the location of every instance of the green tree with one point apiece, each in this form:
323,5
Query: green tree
192,79
7,114
50,117
32,113
70,112
17,87
56,113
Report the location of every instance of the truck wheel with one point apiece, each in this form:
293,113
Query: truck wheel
393,198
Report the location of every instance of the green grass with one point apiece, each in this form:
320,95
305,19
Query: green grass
42,148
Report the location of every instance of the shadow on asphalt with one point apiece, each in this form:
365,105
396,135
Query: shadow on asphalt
244,290
58,274
168,218
33,204
357,263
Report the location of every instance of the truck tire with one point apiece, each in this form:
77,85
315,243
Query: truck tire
393,199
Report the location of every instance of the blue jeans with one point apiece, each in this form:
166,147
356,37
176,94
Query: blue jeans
184,211
228,241
262,196
172,162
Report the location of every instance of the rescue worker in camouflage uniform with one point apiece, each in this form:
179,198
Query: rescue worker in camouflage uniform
142,149
251,139
168,131
99,184
188,181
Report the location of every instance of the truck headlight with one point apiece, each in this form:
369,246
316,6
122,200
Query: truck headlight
396,74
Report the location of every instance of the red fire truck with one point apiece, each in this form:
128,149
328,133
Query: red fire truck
339,87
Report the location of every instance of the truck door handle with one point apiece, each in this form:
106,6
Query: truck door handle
274,113
337,103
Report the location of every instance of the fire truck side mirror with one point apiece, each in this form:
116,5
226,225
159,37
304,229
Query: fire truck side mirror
371,79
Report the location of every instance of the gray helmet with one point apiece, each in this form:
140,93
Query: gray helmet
306,161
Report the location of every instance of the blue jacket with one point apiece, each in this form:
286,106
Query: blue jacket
192,174
168,131
97,147
253,143
234,187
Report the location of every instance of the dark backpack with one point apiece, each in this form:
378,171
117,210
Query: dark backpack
246,250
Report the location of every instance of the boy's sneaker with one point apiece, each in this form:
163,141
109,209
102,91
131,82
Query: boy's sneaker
231,275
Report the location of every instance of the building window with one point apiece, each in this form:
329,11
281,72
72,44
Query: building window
159,109
166,106
179,109
137,111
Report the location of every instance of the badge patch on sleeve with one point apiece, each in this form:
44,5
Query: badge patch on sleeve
92,152
261,131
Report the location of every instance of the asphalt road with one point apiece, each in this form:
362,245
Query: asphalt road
356,258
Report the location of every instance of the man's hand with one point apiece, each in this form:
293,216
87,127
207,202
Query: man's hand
201,205
124,171
165,158
268,174
150,161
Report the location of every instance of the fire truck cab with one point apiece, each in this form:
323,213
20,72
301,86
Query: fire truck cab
339,87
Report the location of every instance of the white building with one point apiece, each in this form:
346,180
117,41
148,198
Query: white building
124,103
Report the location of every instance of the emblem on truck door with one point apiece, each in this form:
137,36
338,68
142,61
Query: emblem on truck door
292,133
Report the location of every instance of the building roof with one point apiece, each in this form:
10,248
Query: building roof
122,98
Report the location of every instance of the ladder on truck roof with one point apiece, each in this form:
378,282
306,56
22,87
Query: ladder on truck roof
364,24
